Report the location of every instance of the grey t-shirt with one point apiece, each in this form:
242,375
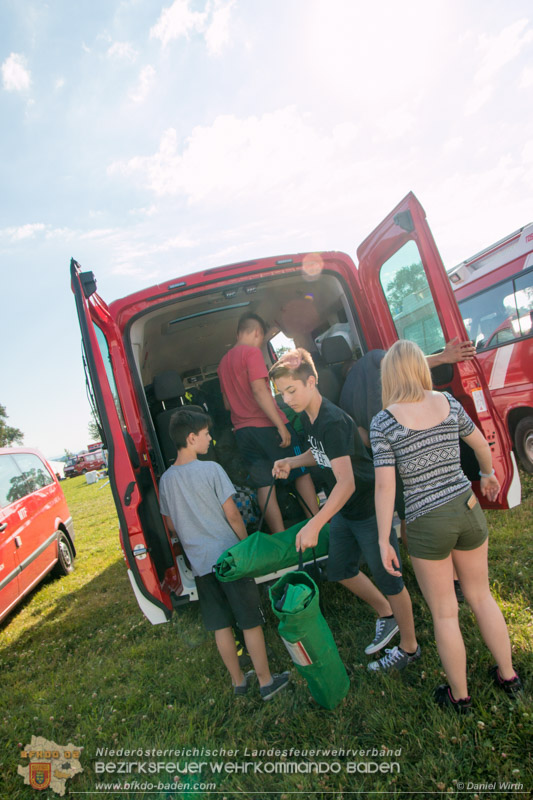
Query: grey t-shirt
192,496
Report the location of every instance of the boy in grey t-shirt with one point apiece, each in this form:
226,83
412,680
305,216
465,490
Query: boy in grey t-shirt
196,499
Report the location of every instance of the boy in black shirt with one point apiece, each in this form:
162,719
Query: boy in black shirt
335,445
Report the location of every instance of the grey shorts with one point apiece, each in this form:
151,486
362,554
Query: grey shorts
351,539
224,604
452,526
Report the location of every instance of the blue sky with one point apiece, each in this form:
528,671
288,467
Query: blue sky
149,139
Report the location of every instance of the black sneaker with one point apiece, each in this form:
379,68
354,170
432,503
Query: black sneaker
444,697
277,683
512,688
241,690
386,628
394,658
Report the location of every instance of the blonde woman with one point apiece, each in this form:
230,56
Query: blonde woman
419,431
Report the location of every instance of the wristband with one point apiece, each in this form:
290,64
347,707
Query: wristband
488,475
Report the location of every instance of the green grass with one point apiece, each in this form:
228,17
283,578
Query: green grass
81,665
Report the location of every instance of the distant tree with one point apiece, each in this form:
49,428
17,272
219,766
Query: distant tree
8,435
94,430
68,453
407,281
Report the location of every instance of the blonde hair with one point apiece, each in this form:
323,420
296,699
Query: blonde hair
405,375
294,364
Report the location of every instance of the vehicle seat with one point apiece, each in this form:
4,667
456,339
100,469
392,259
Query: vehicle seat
335,352
169,390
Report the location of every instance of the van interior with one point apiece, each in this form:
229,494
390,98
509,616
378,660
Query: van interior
178,345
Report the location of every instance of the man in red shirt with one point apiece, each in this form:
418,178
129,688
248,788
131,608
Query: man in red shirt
262,430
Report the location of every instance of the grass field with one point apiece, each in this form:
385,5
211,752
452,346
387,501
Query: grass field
81,666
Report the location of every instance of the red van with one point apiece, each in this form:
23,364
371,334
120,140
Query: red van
36,530
494,290
160,347
85,462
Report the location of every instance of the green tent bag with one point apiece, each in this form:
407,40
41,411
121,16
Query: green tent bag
261,553
307,637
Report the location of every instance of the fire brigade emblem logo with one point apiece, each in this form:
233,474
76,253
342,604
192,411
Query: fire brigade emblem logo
40,775
49,765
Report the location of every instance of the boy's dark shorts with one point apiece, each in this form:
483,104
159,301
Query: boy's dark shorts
224,604
351,539
452,526
260,447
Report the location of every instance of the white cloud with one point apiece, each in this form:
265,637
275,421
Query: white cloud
478,98
28,231
59,83
497,51
122,51
526,79
177,20
235,157
15,75
217,34
145,83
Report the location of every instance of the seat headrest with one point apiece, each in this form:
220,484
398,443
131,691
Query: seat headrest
168,385
336,349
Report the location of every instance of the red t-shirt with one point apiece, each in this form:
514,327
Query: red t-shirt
238,368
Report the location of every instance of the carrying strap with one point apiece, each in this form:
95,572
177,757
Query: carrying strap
262,518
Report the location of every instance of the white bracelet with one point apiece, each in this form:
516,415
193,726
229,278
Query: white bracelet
490,474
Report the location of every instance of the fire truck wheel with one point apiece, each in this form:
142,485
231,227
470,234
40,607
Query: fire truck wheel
523,439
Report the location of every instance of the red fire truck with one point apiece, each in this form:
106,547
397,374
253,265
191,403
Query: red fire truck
494,290
160,347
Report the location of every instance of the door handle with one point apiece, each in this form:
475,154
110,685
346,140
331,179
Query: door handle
3,526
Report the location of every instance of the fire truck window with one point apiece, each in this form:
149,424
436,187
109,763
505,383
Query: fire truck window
491,317
409,298
524,303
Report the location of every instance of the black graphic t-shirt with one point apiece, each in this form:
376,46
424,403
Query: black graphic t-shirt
334,434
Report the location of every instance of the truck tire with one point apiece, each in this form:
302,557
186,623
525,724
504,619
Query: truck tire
523,440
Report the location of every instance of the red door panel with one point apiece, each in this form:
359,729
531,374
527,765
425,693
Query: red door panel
407,223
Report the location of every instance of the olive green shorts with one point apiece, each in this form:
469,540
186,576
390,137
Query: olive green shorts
452,526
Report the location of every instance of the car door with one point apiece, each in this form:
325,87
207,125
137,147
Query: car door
36,537
411,296
152,569
9,525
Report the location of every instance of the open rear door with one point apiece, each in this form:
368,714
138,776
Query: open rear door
411,298
151,565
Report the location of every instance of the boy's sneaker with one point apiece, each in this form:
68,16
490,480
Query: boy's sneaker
386,628
241,690
277,683
512,688
443,696
395,658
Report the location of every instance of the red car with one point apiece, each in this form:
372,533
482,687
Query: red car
36,530
159,348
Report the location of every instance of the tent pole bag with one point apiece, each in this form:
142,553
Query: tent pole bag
307,637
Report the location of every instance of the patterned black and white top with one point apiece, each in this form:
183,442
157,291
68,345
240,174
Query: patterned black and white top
428,460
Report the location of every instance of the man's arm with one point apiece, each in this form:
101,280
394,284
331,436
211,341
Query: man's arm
283,466
234,518
268,405
341,492
453,352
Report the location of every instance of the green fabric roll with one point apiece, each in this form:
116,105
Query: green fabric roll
260,553
307,637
